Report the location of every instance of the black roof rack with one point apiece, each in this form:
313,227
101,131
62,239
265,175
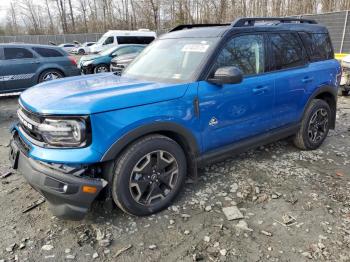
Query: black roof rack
189,26
250,21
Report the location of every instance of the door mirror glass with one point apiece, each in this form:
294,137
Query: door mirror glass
226,75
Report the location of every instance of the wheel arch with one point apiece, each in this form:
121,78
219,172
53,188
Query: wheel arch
328,94
47,69
174,131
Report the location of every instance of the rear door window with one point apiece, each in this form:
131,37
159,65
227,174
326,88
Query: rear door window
318,46
287,51
47,52
17,53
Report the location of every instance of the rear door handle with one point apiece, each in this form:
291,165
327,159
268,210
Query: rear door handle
260,89
307,79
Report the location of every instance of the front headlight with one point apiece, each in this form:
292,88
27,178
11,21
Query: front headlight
64,132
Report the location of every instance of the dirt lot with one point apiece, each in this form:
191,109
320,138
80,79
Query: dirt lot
296,207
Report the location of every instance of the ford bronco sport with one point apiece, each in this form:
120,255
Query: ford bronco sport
198,94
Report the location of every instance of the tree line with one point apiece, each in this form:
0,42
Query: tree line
96,16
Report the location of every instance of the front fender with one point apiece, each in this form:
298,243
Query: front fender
150,128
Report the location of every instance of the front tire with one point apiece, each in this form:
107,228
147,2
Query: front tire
101,68
148,175
314,126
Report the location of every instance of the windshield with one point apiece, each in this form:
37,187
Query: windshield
174,60
108,51
101,40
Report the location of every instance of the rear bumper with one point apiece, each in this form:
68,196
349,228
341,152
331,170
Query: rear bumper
62,189
73,71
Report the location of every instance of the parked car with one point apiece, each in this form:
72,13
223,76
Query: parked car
345,79
68,47
119,63
25,65
120,37
100,63
197,94
83,48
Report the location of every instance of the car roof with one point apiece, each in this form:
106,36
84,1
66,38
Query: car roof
215,30
27,45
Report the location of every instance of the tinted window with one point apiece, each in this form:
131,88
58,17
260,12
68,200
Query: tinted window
135,39
318,46
89,44
47,52
287,51
125,50
17,53
145,40
245,52
69,45
109,40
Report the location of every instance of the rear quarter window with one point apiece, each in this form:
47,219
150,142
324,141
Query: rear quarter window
318,46
47,52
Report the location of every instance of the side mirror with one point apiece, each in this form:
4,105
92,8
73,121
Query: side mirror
227,75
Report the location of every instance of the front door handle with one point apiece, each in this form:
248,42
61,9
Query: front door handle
307,79
260,89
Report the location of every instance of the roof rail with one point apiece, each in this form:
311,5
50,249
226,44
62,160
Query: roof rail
250,21
189,26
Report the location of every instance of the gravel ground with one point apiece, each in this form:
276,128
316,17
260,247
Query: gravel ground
284,205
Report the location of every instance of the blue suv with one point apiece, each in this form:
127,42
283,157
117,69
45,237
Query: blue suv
197,94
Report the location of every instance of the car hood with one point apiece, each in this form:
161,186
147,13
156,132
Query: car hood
125,57
89,57
90,94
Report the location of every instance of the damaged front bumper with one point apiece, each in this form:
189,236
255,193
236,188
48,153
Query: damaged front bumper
68,191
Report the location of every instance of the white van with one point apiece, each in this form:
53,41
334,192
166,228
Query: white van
117,37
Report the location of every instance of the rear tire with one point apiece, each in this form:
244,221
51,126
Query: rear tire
314,126
81,52
50,74
148,175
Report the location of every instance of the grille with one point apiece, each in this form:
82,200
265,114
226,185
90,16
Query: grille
29,123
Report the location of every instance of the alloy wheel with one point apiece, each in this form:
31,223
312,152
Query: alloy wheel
318,125
51,76
153,177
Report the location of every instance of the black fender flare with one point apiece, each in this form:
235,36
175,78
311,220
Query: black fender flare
157,127
334,96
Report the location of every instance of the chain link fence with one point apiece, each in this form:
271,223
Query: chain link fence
338,26
47,39
337,23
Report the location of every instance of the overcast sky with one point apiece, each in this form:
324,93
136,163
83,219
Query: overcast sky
4,5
